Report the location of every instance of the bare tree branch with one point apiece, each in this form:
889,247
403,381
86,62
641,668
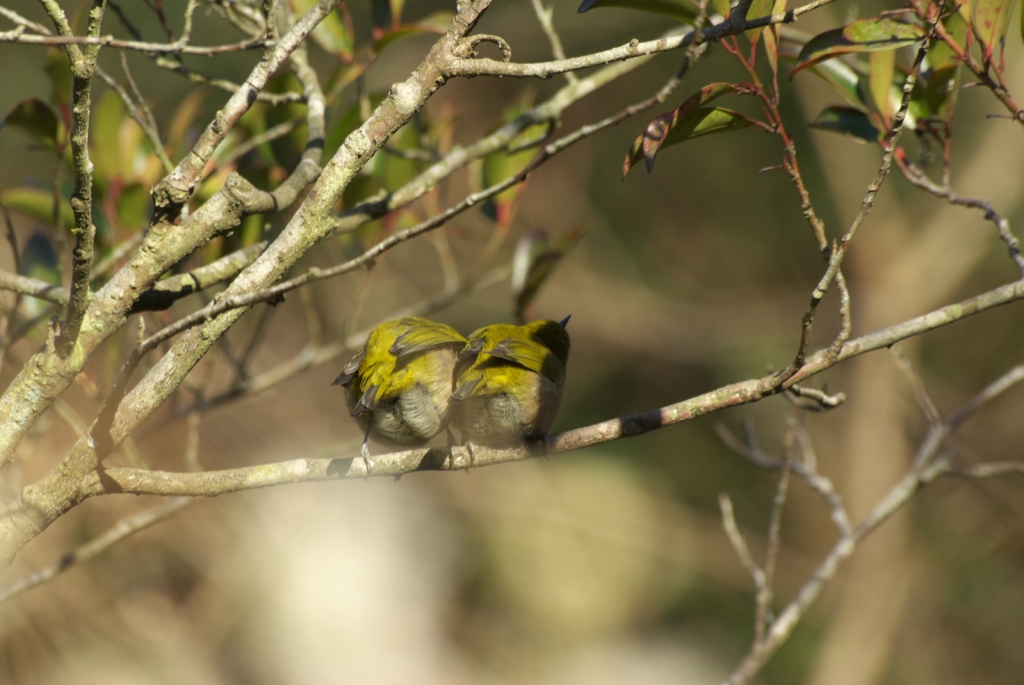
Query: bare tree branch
121,530
544,16
33,287
917,176
83,65
735,24
732,531
927,466
867,204
164,244
178,48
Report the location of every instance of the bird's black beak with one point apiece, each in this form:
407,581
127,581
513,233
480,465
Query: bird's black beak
564,321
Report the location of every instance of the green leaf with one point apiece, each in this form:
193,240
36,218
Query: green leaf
391,170
437,22
941,91
499,166
848,121
387,14
332,34
37,204
940,54
362,186
844,79
771,43
866,35
188,111
681,124
39,260
704,121
683,10
133,207
59,71
105,149
762,8
534,261
942,79
36,119
881,65
836,73
336,135
991,20
502,165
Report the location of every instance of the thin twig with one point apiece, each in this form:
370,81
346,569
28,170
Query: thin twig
763,614
931,412
315,355
544,16
119,252
83,66
733,25
212,483
822,401
192,442
112,536
992,391
33,287
316,274
839,251
806,469
917,177
548,113
145,122
993,469
111,42
732,531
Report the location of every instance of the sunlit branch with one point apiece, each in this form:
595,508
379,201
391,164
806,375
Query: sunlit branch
18,35
212,483
317,274
735,24
928,465
917,176
839,251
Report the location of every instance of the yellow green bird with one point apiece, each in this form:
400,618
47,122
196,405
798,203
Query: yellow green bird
509,380
400,382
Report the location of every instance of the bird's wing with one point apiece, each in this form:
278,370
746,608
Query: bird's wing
528,355
465,389
367,402
349,372
425,337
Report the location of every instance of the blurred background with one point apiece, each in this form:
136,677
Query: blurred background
606,565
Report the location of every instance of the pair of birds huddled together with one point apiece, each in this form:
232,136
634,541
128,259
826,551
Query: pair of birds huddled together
415,378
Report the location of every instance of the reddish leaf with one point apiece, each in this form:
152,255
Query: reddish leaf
943,76
866,35
437,22
848,121
534,261
680,124
333,34
881,65
758,8
991,20
36,203
36,119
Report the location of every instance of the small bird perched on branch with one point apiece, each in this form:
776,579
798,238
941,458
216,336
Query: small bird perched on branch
400,382
509,380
